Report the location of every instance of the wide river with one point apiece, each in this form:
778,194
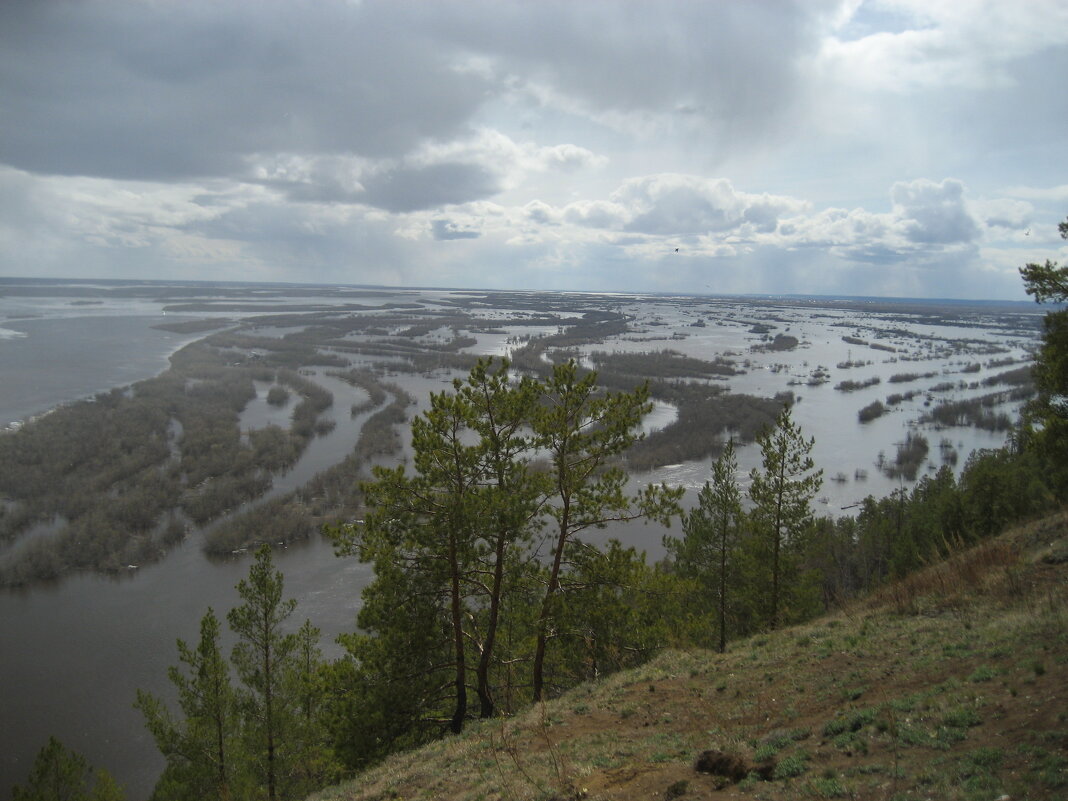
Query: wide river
75,652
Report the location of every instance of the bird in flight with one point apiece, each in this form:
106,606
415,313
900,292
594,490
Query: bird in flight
676,250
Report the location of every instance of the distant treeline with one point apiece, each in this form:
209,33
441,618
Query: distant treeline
195,326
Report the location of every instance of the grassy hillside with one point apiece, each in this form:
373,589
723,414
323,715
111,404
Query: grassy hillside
952,684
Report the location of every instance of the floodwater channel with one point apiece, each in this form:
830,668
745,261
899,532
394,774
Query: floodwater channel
74,652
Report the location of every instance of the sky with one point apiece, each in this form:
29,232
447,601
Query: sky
910,148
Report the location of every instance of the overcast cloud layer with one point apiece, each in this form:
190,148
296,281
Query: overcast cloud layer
863,147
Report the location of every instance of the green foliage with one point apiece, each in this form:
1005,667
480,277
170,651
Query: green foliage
446,540
791,766
582,431
61,775
781,492
1047,430
261,658
200,747
709,550
617,612
265,737
999,487
852,721
454,546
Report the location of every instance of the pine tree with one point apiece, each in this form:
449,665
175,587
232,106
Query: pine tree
312,764
441,537
1047,431
711,532
453,550
199,748
582,430
781,492
262,657
500,412
426,524
61,775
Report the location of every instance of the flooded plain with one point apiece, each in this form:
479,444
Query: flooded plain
76,650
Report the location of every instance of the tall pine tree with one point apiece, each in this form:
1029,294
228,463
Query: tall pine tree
781,491
262,657
200,747
583,430
707,551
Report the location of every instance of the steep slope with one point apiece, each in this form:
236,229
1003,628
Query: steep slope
951,684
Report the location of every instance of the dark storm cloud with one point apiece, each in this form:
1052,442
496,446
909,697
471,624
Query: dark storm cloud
731,65
426,187
191,89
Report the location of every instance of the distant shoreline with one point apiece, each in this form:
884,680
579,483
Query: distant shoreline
110,284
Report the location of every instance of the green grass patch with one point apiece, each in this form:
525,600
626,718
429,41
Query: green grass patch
791,766
983,673
961,717
854,720
827,787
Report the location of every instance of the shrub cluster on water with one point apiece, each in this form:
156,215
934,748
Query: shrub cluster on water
117,467
872,411
664,364
853,386
910,456
978,412
901,378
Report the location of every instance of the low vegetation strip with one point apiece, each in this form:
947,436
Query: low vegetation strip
126,468
871,412
664,364
853,386
978,412
707,418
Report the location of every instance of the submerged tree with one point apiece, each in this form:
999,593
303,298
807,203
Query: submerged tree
782,491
